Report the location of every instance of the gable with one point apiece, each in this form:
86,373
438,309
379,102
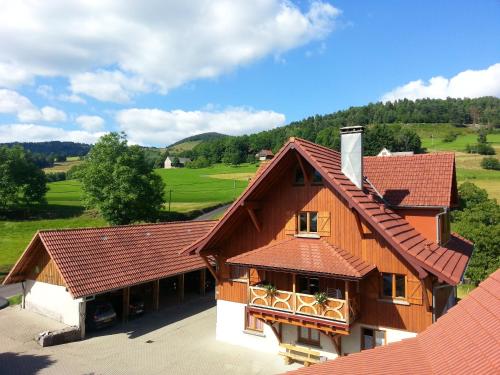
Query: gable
423,255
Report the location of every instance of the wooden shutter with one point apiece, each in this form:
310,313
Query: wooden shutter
291,225
324,223
256,276
414,291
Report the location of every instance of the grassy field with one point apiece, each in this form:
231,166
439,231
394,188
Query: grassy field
464,289
184,146
191,189
63,166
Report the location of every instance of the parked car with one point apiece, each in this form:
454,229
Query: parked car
136,305
100,315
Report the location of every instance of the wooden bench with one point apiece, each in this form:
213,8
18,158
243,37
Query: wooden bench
299,354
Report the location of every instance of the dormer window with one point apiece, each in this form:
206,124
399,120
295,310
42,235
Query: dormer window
308,222
317,179
299,178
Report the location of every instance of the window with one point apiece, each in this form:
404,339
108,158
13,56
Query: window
239,272
308,222
393,285
371,338
308,285
317,179
253,324
309,336
299,177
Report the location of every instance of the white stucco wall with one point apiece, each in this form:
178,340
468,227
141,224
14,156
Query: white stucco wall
352,343
231,328
52,301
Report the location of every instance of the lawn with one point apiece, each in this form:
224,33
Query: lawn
191,189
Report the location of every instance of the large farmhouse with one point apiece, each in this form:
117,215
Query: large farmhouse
326,250
337,252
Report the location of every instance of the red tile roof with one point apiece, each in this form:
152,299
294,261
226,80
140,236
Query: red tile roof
95,260
416,180
305,255
447,263
466,340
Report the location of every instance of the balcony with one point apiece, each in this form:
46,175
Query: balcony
300,304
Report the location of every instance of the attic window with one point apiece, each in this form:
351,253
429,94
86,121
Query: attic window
308,222
317,178
299,177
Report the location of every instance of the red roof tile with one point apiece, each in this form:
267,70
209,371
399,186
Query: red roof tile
416,180
95,260
413,246
465,340
307,255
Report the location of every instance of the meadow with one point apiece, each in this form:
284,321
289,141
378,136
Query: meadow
188,189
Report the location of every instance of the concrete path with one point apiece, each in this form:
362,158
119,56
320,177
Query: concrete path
212,214
7,291
177,340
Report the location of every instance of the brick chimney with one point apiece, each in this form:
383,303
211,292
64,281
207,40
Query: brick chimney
351,149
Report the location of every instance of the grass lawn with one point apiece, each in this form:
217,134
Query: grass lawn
464,289
15,300
192,189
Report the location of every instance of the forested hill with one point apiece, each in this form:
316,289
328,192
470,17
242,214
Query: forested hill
199,137
324,129
53,148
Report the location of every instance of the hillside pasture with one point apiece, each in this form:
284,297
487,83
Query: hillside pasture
63,166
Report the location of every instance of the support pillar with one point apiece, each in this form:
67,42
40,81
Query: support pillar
156,295
82,313
294,290
180,287
203,280
126,304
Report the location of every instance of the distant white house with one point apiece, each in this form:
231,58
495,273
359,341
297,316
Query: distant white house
170,159
386,152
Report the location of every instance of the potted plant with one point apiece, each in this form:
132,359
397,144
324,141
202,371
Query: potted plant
321,300
271,291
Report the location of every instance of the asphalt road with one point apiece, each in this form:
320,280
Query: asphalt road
211,214
7,291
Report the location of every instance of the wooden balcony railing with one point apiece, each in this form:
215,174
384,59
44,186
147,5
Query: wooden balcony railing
339,310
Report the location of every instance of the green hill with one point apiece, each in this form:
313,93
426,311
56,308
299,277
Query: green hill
189,143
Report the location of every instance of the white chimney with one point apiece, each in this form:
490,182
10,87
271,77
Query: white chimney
351,148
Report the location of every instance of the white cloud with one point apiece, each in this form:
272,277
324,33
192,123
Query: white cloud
90,123
158,127
128,47
71,98
108,86
39,133
467,84
12,102
11,75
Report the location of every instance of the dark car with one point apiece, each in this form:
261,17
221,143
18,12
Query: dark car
136,306
100,315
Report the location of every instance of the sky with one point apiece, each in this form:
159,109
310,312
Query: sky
163,70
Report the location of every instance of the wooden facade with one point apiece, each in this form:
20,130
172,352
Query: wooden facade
277,204
42,268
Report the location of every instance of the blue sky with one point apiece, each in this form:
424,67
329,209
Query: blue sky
162,70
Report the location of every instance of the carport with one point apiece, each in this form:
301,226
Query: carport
62,270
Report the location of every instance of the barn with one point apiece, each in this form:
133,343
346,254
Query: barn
63,271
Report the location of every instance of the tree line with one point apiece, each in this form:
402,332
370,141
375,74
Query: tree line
324,129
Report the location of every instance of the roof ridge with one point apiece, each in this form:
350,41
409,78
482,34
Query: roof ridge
125,226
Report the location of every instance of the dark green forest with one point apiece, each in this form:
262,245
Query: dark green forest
385,130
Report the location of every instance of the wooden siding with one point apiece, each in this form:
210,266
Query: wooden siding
423,220
279,201
42,268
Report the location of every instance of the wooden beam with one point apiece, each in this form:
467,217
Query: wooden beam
362,227
346,297
203,280
301,164
156,295
210,268
294,290
180,287
337,343
425,295
126,304
255,221
275,331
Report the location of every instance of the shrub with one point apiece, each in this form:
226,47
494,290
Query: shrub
450,137
55,176
490,163
481,149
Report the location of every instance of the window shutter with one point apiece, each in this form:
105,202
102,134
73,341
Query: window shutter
255,276
324,223
414,290
291,225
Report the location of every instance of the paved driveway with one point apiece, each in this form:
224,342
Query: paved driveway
177,340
